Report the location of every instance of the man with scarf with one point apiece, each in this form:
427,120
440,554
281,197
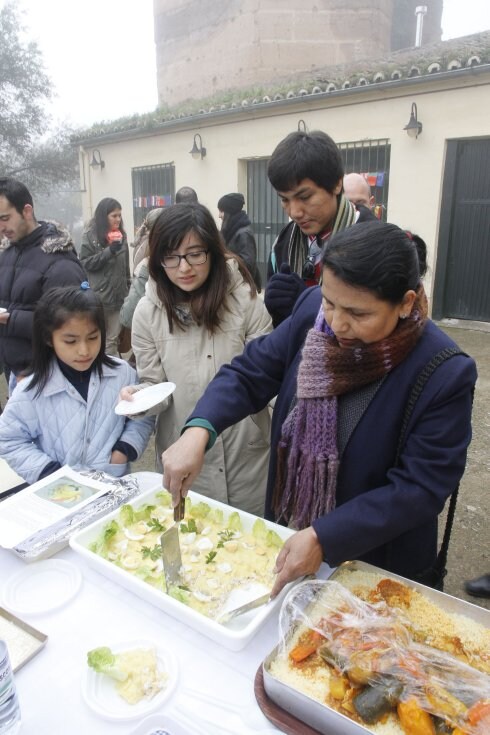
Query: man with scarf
40,255
237,232
306,170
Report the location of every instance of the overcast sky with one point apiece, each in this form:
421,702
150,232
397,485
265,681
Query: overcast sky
100,54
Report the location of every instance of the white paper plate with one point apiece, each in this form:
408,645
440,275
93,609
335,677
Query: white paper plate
2,310
100,694
163,723
145,399
42,586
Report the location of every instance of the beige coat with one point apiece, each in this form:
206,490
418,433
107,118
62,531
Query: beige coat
235,469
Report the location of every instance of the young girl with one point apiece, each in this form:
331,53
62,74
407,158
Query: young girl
63,411
199,311
104,255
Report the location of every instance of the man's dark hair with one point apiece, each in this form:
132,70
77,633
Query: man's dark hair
186,195
301,156
16,193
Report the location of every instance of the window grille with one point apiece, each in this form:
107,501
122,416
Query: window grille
153,186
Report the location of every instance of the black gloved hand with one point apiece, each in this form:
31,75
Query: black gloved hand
282,292
115,247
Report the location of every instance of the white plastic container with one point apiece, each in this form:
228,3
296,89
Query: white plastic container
236,634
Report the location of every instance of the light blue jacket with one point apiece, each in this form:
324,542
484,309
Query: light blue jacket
60,426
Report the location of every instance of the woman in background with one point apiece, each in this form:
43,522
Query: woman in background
237,231
199,310
105,257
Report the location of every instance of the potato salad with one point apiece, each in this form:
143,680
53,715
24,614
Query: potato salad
218,554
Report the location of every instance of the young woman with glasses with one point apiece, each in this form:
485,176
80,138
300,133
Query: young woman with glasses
199,311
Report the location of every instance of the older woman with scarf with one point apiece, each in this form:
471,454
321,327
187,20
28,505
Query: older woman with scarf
337,474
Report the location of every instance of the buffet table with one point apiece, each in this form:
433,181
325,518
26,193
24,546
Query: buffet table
215,687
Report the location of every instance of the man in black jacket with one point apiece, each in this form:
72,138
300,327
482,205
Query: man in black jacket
306,169
40,255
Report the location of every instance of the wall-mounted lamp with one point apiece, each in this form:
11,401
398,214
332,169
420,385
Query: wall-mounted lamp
302,126
198,150
414,126
97,159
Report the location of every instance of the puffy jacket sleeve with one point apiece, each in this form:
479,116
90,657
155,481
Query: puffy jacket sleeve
91,257
65,270
19,429
243,244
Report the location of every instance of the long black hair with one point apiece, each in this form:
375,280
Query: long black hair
166,235
54,308
377,256
102,211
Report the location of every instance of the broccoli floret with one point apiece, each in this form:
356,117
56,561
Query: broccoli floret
104,661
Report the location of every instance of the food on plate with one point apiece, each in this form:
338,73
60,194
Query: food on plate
135,671
65,493
218,554
371,659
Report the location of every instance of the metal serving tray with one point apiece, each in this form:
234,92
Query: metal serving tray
236,634
17,657
322,717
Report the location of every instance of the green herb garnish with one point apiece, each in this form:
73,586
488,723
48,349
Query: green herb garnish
189,527
154,554
211,557
155,525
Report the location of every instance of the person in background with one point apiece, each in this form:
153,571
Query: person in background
105,256
336,475
63,411
186,195
35,256
140,244
141,272
358,191
199,310
237,232
306,170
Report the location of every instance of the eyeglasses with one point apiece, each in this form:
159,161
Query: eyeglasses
197,257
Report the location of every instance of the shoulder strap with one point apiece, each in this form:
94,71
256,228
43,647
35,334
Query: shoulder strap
417,389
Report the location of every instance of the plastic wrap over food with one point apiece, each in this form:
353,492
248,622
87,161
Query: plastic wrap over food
371,646
49,541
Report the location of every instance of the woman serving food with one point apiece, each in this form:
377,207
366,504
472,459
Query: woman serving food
342,395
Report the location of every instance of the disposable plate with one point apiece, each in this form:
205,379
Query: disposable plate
41,587
145,399
100,694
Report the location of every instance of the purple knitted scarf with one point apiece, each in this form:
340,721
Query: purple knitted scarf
308,459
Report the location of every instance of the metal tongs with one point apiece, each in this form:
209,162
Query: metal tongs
171,556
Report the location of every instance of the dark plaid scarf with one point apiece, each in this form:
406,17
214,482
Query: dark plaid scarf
308,459
298,242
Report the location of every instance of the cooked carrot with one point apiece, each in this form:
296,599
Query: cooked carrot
478,712
309,645
414,720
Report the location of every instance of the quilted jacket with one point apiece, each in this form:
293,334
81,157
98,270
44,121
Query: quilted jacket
60,426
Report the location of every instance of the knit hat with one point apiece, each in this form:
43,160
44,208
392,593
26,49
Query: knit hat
152,215
231,203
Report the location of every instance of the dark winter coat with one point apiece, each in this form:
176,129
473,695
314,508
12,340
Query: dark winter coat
240,239
385,515
30,267
108,272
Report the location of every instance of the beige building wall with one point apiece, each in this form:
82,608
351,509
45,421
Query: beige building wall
207,46
416,170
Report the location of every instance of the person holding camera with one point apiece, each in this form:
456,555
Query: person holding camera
104,255
306,170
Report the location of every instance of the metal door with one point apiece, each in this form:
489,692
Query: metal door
461,287
265,211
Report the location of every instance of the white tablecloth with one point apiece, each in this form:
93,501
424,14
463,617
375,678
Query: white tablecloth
49,685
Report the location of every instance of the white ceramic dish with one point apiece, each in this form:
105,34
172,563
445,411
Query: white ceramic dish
234,635
41,587
145,399
3,310
100,694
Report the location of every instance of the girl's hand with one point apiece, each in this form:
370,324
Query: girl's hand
301,554
182,462
118,457
126,393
